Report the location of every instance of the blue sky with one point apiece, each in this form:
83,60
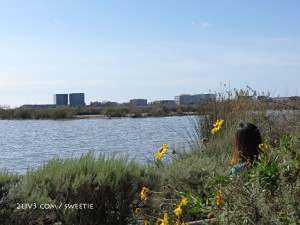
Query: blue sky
155,49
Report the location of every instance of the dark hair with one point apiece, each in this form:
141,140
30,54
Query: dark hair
247,139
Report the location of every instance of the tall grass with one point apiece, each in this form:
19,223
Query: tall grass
268,193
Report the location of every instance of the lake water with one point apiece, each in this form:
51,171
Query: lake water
30,143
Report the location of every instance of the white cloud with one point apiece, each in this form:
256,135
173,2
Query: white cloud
205,24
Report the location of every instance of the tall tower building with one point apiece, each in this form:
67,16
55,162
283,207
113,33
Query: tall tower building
76,99
60,99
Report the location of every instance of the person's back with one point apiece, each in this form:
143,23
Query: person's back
246,147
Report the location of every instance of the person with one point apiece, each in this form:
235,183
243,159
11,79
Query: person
246,147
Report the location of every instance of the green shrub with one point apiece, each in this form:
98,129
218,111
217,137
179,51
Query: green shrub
7,182
108,185
269,193
62,113
22,114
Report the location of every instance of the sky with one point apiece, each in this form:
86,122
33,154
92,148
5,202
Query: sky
153,49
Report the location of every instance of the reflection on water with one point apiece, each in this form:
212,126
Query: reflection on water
30,143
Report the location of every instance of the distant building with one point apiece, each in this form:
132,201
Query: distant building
205,98
138,102
185,99
164,102
104,104
60,99
40,106
262,97
76,99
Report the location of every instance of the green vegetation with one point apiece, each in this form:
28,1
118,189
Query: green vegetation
107,187
114,111
39,113
268,193
182,186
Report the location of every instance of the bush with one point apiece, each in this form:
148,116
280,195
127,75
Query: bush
62,113
22,114
7,182
266,194
109,186
269,193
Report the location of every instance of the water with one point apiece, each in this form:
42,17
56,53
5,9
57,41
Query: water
30,143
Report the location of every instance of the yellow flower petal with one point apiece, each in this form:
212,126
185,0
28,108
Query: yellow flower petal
184,201
217,126
178,211
161,151
144,193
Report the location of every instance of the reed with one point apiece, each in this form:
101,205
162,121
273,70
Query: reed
184,185
267,193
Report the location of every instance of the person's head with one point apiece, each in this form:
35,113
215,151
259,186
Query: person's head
246,141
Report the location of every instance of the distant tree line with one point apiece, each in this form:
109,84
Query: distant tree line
155,110
73,112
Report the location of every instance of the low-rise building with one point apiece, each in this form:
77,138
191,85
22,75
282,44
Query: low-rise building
138,102
205,98
185,99
38,106
164,102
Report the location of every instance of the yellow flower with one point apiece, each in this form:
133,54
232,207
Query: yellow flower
214,130
146,222
177,222
144,193
165,146
178,211
161,151
218,123
217,126
183,201
219,200
158,155
164,221
263,147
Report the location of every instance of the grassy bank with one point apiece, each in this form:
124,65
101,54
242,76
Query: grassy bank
268,193
110,112
192,185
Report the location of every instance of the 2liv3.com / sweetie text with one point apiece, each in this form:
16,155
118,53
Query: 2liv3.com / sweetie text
54,206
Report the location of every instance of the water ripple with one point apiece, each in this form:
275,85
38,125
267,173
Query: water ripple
30,143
